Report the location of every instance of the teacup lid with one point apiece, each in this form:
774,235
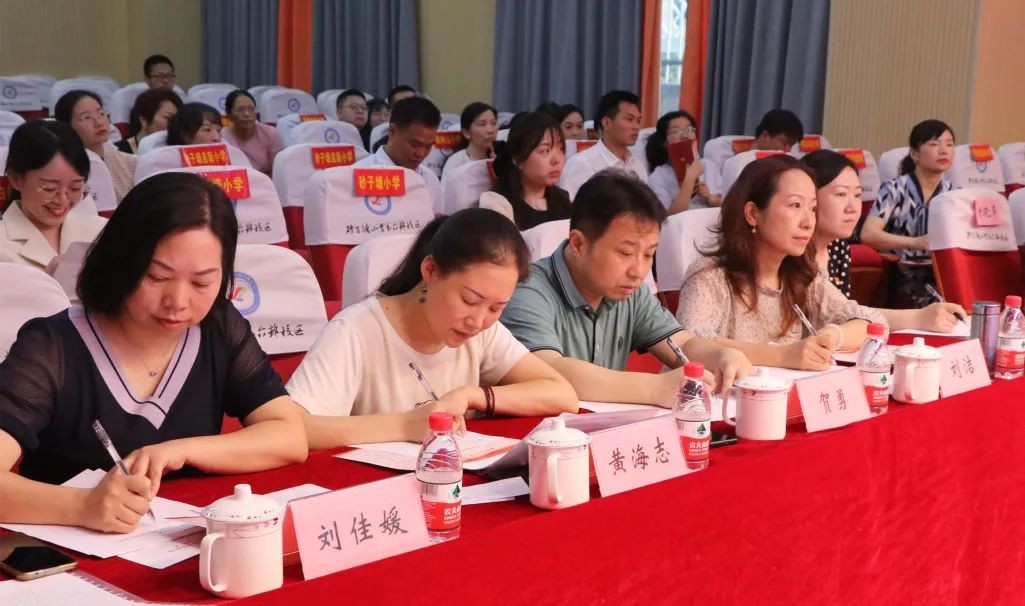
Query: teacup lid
918,350
761,380
556,435
242,507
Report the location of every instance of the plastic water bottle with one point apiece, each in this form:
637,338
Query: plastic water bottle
439,467
874,362
693,412
1011,340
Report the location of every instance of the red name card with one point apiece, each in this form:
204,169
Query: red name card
636,455
329,156
312,117
585,144
205,155
379,182
832,399
345,528
234,182
962,368
855,155
986,212
766,153
810,143
447,140
742,145
981,152
681,155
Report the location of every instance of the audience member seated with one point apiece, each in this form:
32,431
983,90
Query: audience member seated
436,314
400,92
159,72
571,120
585,308
479,123
194,124
351,106
899,221
414,123
260,142
745,292
84,111
157,355
838,192
152,111
675,194
379,113
528,167
619,113
47,168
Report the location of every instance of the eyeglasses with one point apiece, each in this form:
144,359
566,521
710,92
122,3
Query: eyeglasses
94,118
52,193
682,132
164,76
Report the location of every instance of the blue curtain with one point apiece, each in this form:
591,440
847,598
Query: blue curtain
569,51
763,55
240,41
371,45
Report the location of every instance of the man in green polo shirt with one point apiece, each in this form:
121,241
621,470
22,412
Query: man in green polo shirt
585,308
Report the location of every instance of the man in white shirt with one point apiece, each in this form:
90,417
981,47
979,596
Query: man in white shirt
414,124
619,118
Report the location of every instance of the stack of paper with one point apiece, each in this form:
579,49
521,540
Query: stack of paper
495,492
477,450
63,589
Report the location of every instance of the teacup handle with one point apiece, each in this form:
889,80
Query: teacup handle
554,498
206,570
725,405
909,382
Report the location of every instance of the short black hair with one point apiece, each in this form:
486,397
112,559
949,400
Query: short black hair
551,108
376,105
609,194
402,88
415,110
157,207
188,120
229,101
146,106
781,121
155,60
351,92
608,105
922,133
65,106
826,165
34,143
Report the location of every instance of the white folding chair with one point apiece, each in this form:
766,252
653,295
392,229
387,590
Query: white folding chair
43,83
287,123
683,234
9,122
889,163
151,142
377,133
464,185
445,142
327,101
108,84
326,132
715,154
808,144
257,91
201,87
22,94
260,220
275,103
733,166
504,118
214,95
169,157
276,291
449,121
36,296
637,149
1012,163
369,263
976,165
503,135
122,101
97,87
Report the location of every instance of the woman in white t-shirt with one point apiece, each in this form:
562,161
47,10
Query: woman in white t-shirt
675,194
436,315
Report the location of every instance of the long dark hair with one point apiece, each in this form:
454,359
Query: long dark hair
922,133
472,235
656,148
525,135
736,251
155,208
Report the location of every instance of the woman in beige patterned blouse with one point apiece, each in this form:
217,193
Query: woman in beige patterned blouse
744,292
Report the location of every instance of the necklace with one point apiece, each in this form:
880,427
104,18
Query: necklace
138,353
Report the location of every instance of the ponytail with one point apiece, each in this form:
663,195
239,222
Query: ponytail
922,133
407,275
907,165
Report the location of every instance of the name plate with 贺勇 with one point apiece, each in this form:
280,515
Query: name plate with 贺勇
346,528
329,156
832,399
205,155
962,368
635,455
379,182
234,182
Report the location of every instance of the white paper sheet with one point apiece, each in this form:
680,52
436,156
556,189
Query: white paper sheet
961,330
74,588
494,492
478,451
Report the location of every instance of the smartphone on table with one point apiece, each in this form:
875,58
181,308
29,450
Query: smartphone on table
25,558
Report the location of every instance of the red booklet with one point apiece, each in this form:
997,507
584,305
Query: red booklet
681,155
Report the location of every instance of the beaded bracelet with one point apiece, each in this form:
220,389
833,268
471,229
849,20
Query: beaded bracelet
489,400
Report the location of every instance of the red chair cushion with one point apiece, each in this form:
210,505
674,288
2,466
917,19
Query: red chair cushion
328,262
863,255
965,276
294,226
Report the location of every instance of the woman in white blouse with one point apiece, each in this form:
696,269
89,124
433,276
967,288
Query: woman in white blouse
47,167
479,122
429,340
676,194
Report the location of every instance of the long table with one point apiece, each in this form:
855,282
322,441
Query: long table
924,505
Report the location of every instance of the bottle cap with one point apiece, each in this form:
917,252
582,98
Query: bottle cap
440,421
694,370
1013,301
876,329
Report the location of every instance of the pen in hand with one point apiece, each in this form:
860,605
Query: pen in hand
423,381
676,350
109,447
936,295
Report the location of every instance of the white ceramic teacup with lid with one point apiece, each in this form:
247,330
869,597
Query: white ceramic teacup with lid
916,373
559,466
761,406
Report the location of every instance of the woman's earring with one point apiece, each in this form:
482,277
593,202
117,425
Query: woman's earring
423,294
754,230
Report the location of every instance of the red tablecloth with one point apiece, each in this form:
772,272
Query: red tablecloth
922,505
